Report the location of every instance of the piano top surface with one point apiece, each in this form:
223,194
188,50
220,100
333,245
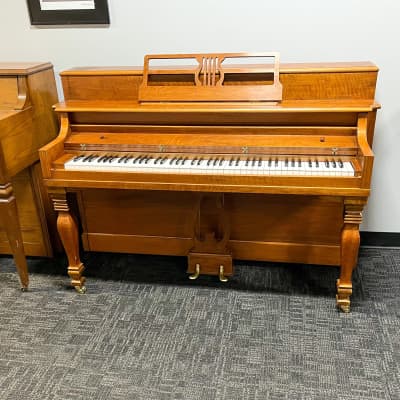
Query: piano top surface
23,68
215,107
285,68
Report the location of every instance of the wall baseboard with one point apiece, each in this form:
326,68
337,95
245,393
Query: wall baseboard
384,239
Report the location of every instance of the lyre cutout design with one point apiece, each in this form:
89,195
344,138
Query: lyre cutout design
206,79
210,71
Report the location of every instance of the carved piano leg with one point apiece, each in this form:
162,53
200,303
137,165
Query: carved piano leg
350,243
68,232
9,216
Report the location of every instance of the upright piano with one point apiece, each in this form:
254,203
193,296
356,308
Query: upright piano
27,122
215,157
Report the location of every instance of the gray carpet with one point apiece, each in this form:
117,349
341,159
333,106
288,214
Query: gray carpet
143,331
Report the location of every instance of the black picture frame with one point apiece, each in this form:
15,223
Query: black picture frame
99,15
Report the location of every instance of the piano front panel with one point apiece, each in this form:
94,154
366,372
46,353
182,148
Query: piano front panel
267,227
321,81
180,116
9,92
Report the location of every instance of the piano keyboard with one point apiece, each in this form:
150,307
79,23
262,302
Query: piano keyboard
235,165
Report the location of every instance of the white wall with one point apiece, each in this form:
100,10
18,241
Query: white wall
307,30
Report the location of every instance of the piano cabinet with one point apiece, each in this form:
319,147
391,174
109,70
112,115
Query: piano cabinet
27,122
274,164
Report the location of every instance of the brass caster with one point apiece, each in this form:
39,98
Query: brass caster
344,307
24,289
343,304
196,273
221,275
80,289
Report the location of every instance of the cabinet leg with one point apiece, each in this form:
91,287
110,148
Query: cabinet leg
9,216
350,243
68,231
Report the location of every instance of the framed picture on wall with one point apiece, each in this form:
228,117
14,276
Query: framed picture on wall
68,12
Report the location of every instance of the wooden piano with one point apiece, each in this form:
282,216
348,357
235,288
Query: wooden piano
27,93
215,157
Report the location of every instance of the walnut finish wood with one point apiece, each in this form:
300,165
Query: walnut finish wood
326,110
27,92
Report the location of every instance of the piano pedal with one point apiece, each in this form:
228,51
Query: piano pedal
196,273
210,264
221,275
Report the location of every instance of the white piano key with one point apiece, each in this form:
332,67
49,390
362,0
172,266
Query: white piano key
219,165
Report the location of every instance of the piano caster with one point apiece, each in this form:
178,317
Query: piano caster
221,275
343,305
80,289
196,273
343,297
24,289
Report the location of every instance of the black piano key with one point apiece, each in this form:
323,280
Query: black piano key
216,160
193,161
269,162
87,158
333,163
201,159
221,161
286,162
253,164
164,160
326,164
276,162
172,160
299,163
231,161
146,161
184,160
247,162
260,162
209,162
94,156
127,159
316,163
157,160
340,164
121,159
293,162
310,163
237,161
77,158
178,160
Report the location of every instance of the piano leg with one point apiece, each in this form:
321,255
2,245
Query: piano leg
68,231
350,243
9,216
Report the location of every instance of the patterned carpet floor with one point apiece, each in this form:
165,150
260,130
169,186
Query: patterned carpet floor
143,331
